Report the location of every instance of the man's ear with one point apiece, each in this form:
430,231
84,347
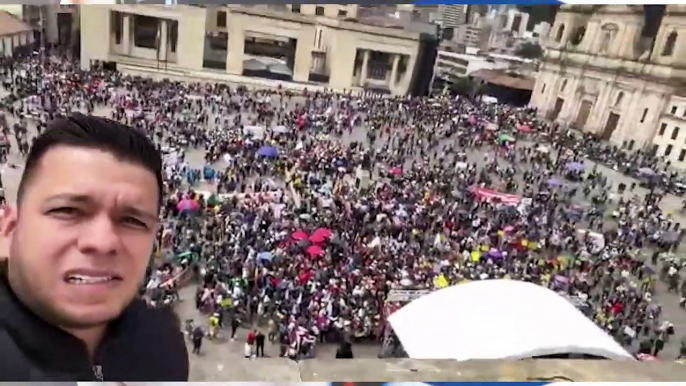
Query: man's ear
8,223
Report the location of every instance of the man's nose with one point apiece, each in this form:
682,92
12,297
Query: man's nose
99,236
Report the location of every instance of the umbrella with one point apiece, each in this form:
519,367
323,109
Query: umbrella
524,128
314,250
187,204
574,166
543,149
268,152
265,256
324,232
299,235
505,138
281,130
213,200
317,238
554,182
561,279
495,253
396,171
646,171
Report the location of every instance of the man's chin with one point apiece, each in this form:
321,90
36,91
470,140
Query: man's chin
85,316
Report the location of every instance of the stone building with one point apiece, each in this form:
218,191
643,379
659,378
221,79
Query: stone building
604,72
14,34
304,44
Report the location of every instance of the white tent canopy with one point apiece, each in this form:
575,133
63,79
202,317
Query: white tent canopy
498,319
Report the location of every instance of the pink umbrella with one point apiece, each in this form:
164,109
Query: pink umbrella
187,204
396,171
323,231
314,250
524,128
317,238
299,235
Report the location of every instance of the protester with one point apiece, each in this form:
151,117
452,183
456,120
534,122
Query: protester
297,222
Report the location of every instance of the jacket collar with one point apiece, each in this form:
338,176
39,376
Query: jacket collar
50,347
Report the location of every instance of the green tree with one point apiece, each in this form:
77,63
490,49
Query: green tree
463,86
529,51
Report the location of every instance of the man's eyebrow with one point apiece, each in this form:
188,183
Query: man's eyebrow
73,197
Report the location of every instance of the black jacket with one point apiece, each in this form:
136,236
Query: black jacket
142,345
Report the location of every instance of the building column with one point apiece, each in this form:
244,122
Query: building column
163,40
365,62
394,69
126,35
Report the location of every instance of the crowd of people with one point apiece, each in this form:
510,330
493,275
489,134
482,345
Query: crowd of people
307,208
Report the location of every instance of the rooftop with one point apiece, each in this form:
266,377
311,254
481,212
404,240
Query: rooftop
11,25
502,78
408,370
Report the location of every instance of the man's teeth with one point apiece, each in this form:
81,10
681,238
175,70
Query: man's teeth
78,279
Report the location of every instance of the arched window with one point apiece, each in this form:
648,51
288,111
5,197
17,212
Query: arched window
579,35
560,32
607,34
543,88
668,49
620,98
563,86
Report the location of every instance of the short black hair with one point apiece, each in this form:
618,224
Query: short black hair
86,131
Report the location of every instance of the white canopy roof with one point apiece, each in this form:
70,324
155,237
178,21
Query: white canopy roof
498,319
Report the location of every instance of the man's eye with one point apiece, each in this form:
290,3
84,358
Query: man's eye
65,211
135,222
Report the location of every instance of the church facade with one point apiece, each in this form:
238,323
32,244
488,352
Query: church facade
604,72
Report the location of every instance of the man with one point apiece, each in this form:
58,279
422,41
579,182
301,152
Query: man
259,343
77,247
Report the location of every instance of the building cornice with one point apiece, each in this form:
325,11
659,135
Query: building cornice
325,21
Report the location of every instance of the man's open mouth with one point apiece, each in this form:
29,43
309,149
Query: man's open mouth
91,278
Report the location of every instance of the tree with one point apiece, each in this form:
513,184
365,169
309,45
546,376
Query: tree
529,51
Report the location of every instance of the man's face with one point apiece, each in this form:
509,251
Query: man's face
82,237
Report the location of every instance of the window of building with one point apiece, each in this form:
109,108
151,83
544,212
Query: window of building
543,88
632,143
673,110
682,154
117,26
295,8
145,31
675,133
608,33
620,98
643,117
668,49
173,34
560,33
319,11
654,149
663,127
221,19
668,150
564,85
342,13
